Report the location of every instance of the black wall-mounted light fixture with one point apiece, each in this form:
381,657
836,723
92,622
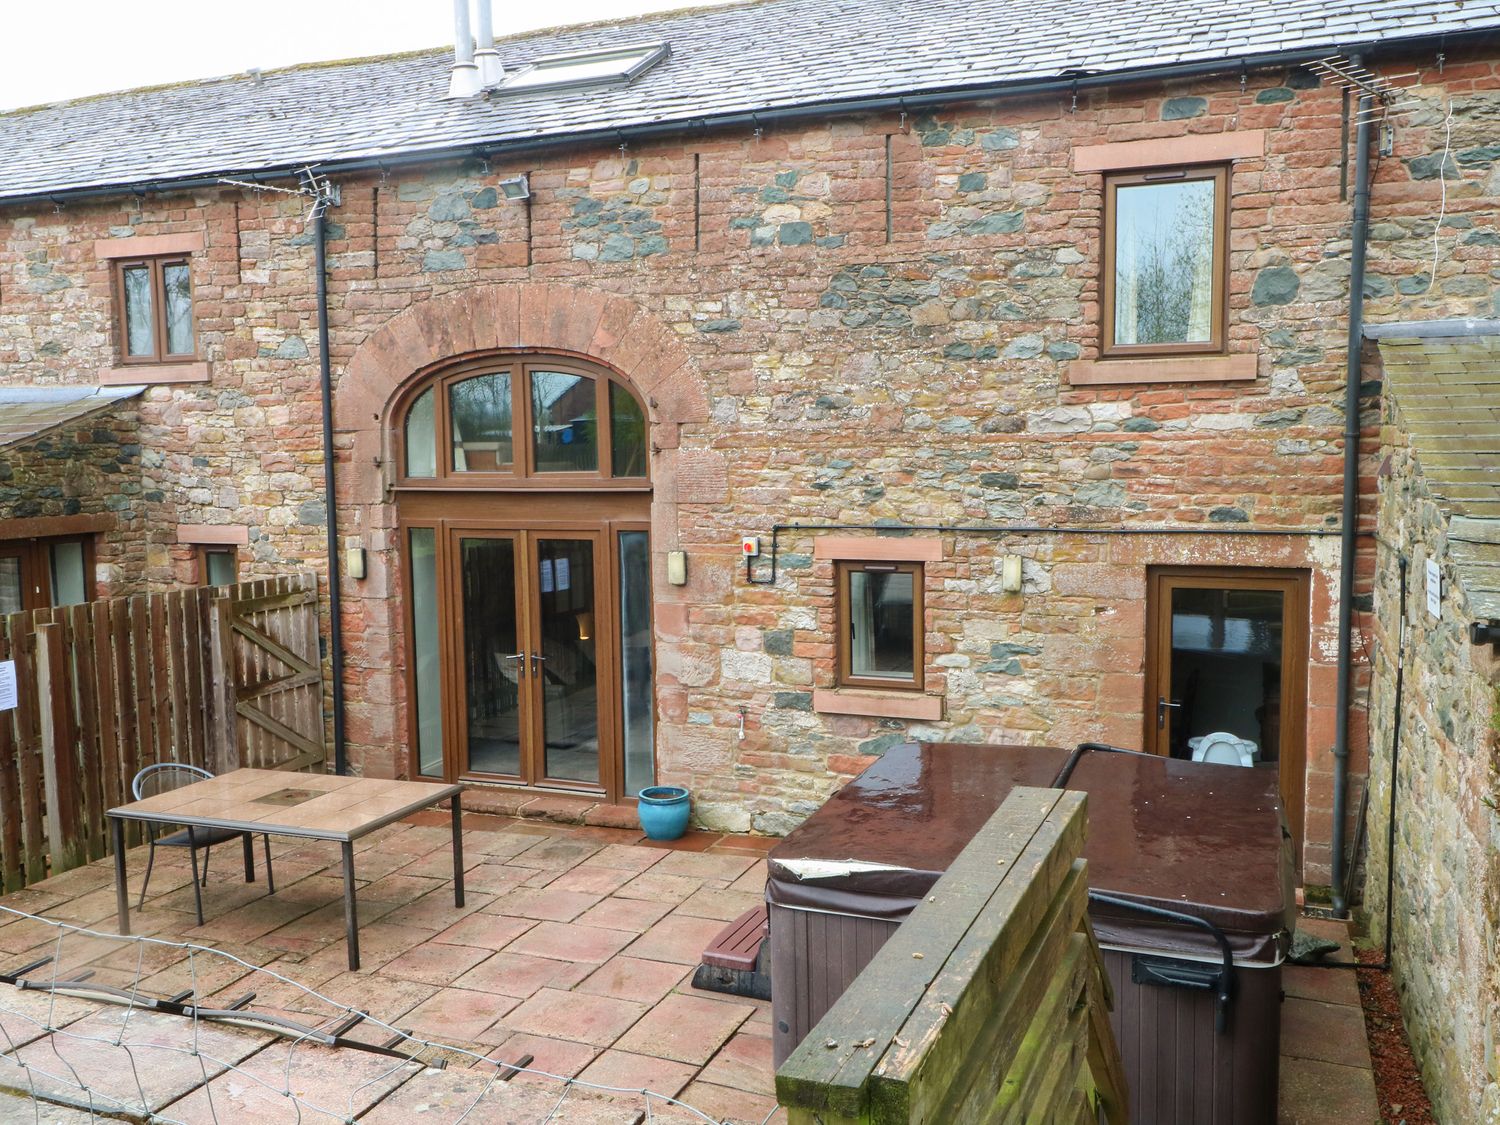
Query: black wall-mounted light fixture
1484,633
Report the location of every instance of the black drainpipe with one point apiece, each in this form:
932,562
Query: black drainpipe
1357,234
330,504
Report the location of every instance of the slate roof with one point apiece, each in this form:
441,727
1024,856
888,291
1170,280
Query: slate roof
27,413
735,59
1444,377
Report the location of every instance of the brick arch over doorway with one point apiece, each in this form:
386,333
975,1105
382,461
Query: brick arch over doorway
520,317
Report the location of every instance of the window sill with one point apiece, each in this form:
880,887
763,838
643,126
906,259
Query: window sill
1164,369
131,374
877,704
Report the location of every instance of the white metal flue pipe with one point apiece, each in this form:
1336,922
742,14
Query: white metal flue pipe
491,71
463,80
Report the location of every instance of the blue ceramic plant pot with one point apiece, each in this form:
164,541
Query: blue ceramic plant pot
664,811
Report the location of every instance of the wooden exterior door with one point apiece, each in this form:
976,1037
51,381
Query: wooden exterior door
37,573
526,627
528,640
1226,652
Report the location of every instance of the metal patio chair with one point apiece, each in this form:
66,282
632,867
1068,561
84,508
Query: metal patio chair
164,777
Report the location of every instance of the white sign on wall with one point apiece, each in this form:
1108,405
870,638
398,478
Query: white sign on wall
7,685
1434,589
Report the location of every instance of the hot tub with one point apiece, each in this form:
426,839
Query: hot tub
1189,871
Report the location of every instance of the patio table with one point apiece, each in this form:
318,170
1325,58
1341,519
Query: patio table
301,805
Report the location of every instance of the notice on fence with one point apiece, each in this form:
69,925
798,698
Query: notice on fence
7,685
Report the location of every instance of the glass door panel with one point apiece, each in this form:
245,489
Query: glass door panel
1226,672
565,659
425,644
69,573
635,661
12,584
493,676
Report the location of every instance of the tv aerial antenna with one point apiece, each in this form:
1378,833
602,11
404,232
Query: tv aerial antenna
1386,98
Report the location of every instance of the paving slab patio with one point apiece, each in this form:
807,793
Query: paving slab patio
575,946
1325,1055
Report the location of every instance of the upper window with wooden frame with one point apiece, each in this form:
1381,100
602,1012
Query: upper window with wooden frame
527,422
1164,268
154,309
879,611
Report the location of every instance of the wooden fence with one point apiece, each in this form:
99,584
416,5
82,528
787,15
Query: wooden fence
988,1004
214,677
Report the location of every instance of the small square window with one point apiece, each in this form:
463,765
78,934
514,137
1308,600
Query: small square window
880,625
154,301
1164,261
218,565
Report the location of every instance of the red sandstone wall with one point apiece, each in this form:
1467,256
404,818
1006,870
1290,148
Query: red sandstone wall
830,374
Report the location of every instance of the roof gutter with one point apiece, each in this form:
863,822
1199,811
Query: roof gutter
747,118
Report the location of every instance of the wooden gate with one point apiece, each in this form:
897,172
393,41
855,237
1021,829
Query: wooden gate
212,677
271,630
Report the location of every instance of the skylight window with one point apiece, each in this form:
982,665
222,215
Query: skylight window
615,66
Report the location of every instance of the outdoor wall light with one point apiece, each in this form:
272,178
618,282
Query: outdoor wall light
677,568
354,562
1010,574
516,187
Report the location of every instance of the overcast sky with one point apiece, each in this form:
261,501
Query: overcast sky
51,50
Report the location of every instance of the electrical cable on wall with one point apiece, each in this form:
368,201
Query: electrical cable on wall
1443,194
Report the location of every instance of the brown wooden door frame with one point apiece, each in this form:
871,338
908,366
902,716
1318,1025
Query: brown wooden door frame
455,515
36,566
1294,585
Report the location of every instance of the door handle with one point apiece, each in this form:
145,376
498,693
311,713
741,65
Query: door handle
521,667
537,658
1161,711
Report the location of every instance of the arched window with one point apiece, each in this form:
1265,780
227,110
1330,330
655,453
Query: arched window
523,422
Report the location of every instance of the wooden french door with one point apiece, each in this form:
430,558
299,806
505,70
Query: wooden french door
529,639
1226,654
526,628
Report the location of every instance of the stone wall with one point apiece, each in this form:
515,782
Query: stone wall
89,468
853,364
1446,917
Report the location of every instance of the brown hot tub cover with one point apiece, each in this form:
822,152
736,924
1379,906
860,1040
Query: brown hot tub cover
1201,839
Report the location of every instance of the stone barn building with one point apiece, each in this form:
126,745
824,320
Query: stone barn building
722,397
